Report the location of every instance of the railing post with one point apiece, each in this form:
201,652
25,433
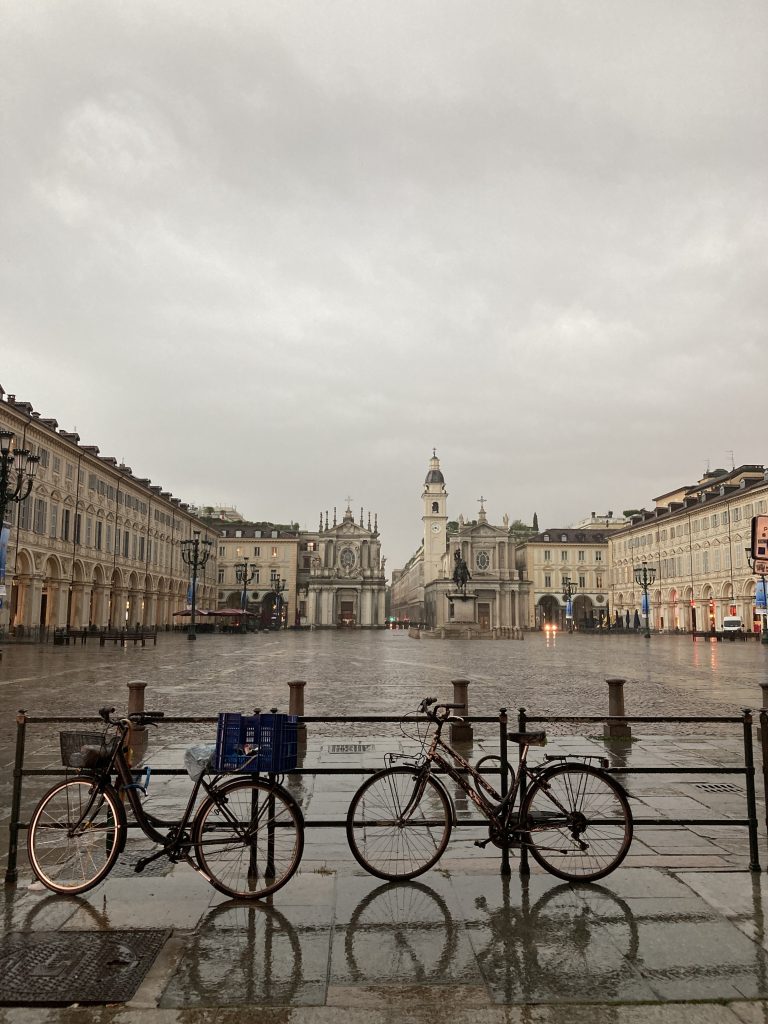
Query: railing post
136,688
11,874
522,726
763,733
296,707
503,757
616,730
461,732
749,764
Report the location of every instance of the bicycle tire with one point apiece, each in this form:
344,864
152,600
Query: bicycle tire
381,841
68,857
250,843
598,815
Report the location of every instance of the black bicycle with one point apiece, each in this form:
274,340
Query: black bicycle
246,837
574,817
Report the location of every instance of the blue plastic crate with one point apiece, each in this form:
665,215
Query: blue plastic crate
240,737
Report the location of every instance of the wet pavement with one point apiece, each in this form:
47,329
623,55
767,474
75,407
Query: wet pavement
677,934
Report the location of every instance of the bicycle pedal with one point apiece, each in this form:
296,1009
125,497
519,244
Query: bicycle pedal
482,843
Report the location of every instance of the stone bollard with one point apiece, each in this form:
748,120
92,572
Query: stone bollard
139,738
616,730
296,707
461,732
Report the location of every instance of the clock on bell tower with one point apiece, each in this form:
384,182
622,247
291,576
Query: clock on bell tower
435,519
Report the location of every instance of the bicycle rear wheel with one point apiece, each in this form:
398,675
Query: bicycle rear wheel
75,836
578,822
393,829
249,838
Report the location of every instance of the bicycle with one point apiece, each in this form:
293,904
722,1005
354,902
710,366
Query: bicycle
575,819
246,838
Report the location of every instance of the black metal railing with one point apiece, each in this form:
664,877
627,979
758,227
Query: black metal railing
745,720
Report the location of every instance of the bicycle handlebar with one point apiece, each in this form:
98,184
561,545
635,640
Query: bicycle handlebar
435,713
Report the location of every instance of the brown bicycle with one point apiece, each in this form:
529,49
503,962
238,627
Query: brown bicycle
574,818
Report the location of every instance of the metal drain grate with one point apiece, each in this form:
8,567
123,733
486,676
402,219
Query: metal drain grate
718,787
350,748
59,968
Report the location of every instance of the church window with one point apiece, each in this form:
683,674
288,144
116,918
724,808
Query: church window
483,561
435,506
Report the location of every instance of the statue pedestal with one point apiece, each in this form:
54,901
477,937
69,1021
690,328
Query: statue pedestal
464,608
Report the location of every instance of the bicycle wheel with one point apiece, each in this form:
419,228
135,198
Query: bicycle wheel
578,822
249,838
75,836
394,830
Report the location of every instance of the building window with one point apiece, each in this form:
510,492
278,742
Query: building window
54,521
88,531
222,551
582,582
547,581
221,577
56,465
65,520
238,533
99,530
257,552
274,551
78,524
582,556
563,556
547,556
598,556
41,516
126,543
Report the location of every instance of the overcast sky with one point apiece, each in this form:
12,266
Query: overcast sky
272,253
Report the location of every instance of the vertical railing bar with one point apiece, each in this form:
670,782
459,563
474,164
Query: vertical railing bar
764,752
522,720
503,788
11,873
749,763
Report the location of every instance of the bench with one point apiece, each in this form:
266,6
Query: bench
123,636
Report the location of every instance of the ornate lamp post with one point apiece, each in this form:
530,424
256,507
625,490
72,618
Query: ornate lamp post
245,574
764,616
569,589
17,472
195,553
279,585
644,576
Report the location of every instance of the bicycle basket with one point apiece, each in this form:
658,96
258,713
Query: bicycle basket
256,743
86,749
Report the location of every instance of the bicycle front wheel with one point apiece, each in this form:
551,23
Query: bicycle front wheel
578,822
249,838
75,836
399,823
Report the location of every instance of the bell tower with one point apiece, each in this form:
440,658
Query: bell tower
434,518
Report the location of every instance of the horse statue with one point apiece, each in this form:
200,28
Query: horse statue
460,572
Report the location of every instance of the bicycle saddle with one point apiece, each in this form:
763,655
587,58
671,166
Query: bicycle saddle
533,739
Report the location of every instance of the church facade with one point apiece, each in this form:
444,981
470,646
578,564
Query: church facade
496,592
344,584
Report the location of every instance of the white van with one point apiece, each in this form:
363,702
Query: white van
732,624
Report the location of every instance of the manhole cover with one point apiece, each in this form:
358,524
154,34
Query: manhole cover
59,968
718,787
350,748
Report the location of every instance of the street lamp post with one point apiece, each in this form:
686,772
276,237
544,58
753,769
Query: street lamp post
569,589
279,585
17,472
764,616
245,574
644,576
195,553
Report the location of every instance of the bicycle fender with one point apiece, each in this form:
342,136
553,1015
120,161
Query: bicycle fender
222,787
441,785
550,768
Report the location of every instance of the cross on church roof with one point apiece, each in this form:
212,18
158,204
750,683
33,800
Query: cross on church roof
481,499
349,502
